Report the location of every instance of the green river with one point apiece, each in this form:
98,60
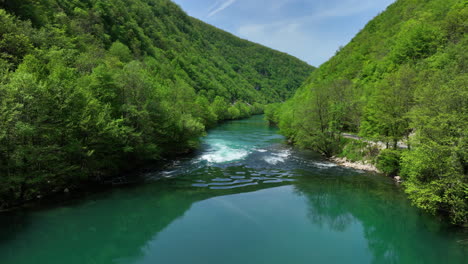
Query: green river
244,197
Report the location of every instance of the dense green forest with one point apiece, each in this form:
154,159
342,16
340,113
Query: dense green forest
91,88
403,78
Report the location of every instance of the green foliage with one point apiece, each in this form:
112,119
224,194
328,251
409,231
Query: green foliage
244,109
388,162
417,40
272,113
220,108
233,112
204,111
385,116
318,116
406,75
89,89
257,109
120,51
357,150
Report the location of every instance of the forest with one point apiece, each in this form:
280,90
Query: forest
401,81
93,88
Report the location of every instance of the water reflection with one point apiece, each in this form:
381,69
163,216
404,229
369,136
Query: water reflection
395,231
121,225
105,228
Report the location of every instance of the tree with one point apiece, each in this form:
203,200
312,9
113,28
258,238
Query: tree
386,115
120,51
220,108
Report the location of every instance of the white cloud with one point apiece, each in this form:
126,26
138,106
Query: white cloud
305,36
221,7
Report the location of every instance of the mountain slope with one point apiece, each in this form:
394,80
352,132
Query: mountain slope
402,78
91,88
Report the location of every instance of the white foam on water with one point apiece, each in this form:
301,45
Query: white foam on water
220,152
325,164
273,160
276,158
284,154
262,150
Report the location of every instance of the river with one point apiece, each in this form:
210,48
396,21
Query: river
244,197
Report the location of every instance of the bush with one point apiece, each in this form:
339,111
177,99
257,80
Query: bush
388,162
356,150
271,113
233,112
435,179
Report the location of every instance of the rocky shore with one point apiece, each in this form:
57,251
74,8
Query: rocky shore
359,165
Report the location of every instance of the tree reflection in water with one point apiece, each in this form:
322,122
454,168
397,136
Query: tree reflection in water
395,231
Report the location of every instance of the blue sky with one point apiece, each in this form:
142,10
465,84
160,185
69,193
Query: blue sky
311,30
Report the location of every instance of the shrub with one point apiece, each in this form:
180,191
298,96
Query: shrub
356,150
388,162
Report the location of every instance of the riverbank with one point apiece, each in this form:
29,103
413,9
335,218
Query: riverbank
236,191
40,191
358,165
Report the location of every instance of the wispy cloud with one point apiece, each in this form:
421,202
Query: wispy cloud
347,8
221,7
309,29
214,5
302,34
294,38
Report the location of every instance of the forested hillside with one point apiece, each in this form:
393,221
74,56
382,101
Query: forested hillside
402,78
91,88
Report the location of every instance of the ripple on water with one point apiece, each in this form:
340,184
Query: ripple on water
238,177
221,179
232,186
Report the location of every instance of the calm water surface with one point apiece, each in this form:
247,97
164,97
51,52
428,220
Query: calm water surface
245,197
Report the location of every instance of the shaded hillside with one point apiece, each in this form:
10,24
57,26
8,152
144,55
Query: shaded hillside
402,78
90,88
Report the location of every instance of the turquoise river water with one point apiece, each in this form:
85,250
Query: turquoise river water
244,197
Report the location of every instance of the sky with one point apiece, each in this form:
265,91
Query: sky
311,30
